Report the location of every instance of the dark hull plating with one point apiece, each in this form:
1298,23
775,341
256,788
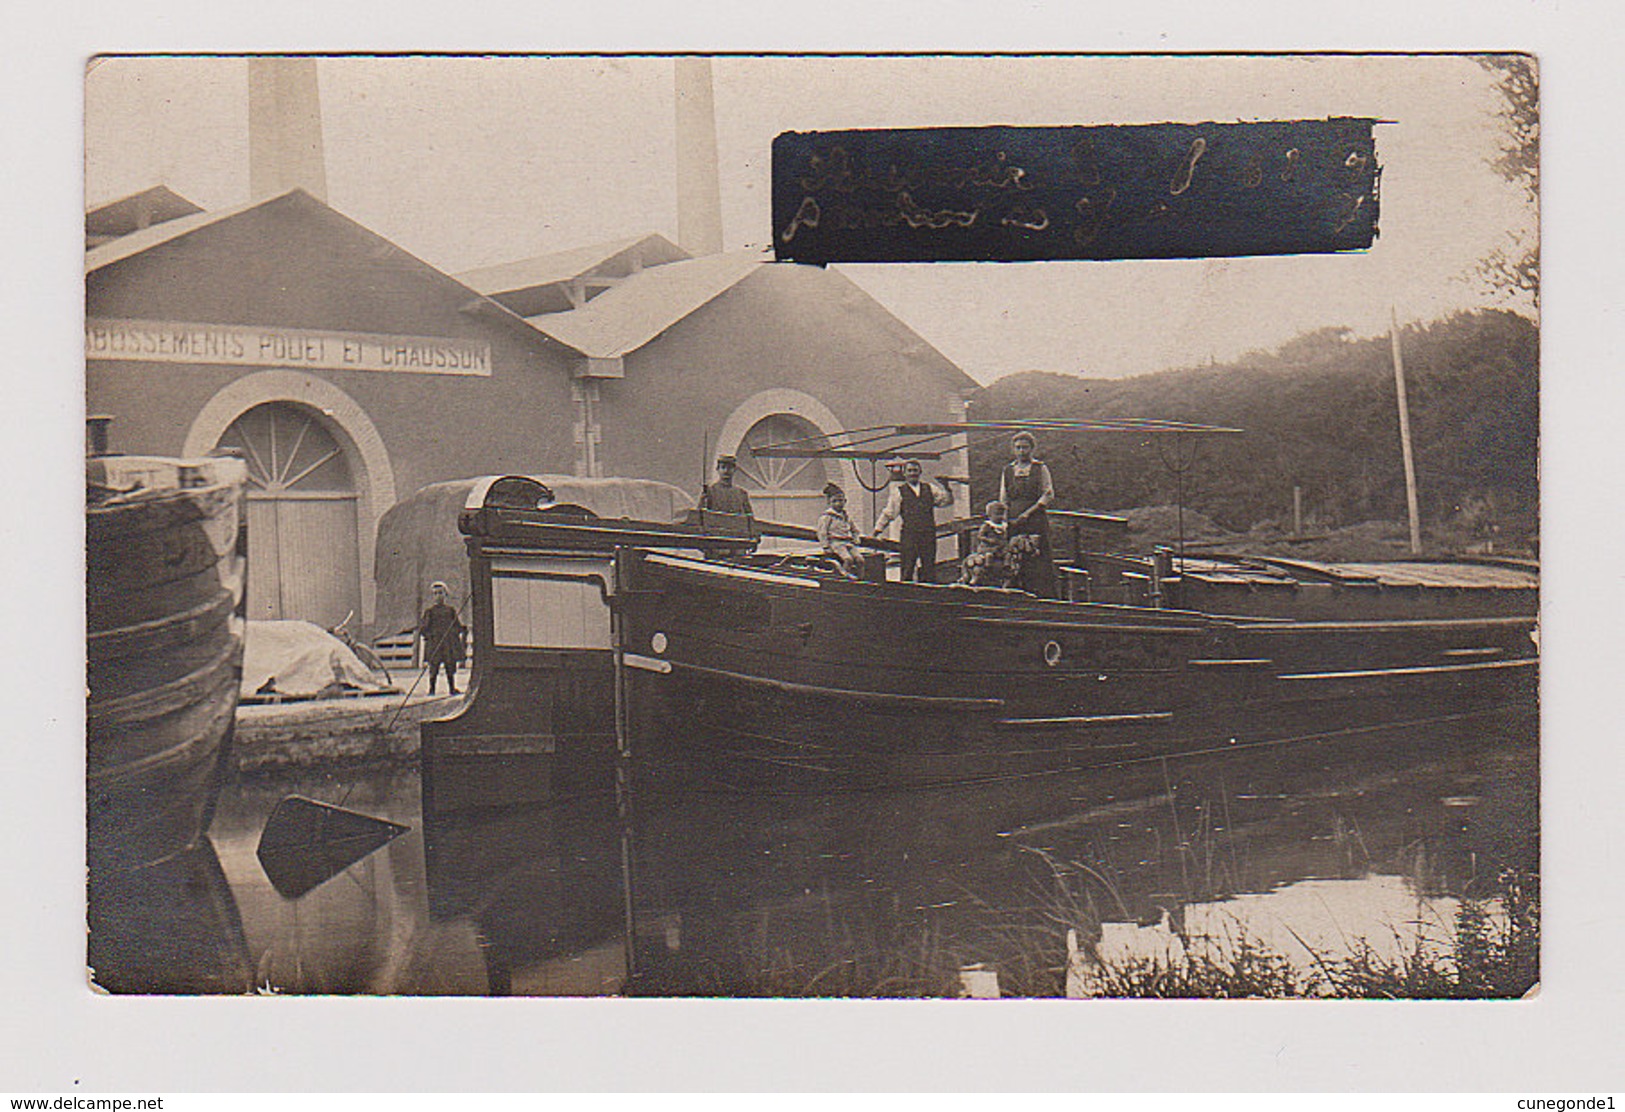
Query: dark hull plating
808,681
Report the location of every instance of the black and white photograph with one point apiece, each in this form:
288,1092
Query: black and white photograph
813,527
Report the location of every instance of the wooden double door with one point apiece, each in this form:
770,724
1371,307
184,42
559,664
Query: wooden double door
303,526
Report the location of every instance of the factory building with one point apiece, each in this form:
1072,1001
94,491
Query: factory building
350,373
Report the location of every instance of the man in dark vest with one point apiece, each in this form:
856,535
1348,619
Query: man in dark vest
915,502
442,635
722,496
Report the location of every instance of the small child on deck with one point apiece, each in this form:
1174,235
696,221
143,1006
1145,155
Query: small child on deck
987,566
837,535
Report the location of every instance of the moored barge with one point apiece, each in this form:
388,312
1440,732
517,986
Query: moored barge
811,677
676,649
164,589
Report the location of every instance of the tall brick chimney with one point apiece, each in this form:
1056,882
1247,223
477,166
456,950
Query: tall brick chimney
284,127
699,196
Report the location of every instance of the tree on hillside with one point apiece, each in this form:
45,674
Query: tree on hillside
1516,268
1319,414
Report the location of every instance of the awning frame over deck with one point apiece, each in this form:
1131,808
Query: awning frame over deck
932,441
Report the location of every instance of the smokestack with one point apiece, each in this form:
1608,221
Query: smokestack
284,127
699,196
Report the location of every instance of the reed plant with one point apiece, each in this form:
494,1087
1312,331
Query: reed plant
1493,953
835,943
1489,950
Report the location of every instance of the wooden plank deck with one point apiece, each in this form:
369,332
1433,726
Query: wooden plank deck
1446,575
1397,574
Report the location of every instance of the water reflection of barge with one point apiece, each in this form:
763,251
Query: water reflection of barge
887,893
164,591
595,636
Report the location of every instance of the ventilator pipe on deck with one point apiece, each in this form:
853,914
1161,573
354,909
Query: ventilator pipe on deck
1162,571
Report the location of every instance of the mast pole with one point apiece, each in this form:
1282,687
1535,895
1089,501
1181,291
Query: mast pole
623,761
1405,435
874,494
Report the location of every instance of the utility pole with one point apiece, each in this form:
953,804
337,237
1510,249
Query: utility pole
1405,436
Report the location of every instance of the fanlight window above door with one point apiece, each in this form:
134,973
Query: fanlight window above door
288,448
775,473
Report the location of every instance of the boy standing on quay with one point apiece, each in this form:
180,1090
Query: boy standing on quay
442,634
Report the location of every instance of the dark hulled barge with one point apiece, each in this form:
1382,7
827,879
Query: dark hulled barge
907,684
682,652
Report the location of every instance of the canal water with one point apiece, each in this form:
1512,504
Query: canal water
1272,872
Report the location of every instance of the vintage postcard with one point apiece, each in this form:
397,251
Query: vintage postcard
777,526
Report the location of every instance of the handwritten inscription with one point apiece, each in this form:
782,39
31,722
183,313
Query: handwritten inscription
1007,193
1187,169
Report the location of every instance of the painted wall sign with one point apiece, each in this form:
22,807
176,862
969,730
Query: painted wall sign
252,346
1150,191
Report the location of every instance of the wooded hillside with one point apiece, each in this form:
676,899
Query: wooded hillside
1319,413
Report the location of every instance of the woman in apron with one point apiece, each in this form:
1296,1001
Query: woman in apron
1026,488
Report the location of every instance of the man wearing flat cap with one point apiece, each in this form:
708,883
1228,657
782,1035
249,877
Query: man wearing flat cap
442,634
722,496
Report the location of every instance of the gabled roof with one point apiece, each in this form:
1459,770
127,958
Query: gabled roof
563,280
156,205
147,238
644,305
650,249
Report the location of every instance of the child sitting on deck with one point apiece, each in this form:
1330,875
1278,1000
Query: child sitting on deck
987,565
837,535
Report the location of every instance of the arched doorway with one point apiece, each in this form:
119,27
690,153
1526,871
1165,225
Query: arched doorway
303,543
789,491
341,416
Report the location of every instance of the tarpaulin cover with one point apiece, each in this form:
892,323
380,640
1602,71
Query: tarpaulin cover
301,659
418,540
